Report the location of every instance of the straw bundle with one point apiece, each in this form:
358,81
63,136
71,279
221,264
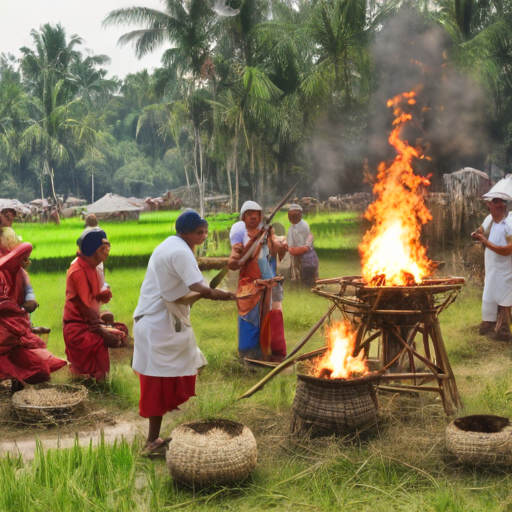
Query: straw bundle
48,403
323,407
211,452
481,440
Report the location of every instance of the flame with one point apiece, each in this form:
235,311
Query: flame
391,251
339,361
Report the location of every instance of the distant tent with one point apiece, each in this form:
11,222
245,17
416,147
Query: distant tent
114,207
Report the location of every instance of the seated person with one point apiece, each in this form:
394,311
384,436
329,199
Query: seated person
23,355
86,336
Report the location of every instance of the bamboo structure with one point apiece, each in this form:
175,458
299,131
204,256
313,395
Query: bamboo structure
392,318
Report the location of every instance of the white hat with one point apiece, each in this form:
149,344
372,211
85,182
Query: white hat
249,205
502,190
295,207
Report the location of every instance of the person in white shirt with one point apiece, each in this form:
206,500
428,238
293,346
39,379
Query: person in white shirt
495,235
300,246
166,356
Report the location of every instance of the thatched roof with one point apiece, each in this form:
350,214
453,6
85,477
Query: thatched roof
111,203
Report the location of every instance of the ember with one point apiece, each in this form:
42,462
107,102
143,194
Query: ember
391,252
339,362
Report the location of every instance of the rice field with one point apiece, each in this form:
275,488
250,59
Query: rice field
402,465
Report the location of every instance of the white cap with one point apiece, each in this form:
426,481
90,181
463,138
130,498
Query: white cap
295,207
502,190
249,205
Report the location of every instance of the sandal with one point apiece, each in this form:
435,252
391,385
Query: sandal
157,448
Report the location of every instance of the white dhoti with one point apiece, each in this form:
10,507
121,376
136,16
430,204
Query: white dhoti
498,275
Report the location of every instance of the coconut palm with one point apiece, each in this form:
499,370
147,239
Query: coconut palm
188,26
88,81
61,129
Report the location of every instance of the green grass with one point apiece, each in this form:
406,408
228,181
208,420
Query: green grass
134,241
402,466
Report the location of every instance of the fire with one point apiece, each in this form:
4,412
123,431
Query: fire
391,252
338,362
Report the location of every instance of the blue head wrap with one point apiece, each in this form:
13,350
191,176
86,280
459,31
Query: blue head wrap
91,240
189,221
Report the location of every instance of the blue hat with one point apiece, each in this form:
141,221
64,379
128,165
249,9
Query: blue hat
189,221
91,240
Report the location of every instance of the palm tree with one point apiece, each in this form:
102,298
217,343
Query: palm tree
189,27
61,128
88,81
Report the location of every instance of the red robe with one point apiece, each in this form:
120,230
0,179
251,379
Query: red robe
86,350
23,355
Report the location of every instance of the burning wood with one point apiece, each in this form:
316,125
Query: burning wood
391,252
339,362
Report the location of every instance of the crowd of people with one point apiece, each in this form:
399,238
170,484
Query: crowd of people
166,357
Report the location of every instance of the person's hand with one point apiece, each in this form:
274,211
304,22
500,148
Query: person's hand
112,338
222,295
478,237
30,306
104,296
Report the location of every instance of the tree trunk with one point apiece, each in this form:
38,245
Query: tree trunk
198,168
229,162
237,184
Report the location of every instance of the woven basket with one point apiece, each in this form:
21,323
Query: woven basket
481,440
211,452
29,413
323,407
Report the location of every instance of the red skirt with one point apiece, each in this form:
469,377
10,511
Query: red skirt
159,395
86,351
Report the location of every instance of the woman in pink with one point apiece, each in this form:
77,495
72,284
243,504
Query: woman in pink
23,355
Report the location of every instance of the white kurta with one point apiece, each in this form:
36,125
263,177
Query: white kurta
165,344
498,270
299,235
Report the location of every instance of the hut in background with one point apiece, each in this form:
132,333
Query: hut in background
457,211
114,207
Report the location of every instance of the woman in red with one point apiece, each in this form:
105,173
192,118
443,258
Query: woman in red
87,339
23,355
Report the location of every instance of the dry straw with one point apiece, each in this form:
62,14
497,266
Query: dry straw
49,403
211,452
481,440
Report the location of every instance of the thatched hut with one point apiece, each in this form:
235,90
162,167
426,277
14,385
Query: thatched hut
114,207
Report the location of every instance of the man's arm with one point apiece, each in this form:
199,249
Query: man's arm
213,294
502,250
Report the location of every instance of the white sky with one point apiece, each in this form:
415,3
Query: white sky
19,17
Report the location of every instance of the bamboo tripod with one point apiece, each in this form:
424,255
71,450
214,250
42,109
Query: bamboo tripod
391,319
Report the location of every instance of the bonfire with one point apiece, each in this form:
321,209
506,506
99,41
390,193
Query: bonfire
391,251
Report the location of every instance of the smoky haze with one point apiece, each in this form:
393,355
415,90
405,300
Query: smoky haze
449,119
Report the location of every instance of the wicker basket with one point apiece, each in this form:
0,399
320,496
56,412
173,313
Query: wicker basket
481,440
211,452
32,413
323,407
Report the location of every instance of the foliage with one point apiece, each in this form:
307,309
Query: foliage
251,95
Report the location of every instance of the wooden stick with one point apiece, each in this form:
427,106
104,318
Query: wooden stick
310,333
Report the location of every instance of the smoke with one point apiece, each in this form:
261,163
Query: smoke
449,119
450,116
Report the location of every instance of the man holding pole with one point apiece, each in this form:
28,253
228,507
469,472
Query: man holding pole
259,293
166,356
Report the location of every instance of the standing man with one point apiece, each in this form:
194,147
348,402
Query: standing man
259,293
495,235
300,247
86,337
166,355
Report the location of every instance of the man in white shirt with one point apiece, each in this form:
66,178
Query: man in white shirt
300,245
495,235
166,355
